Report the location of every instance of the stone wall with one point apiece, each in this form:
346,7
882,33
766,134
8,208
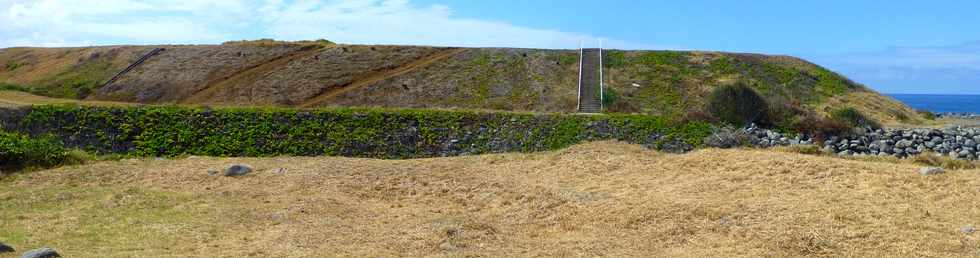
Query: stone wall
957,142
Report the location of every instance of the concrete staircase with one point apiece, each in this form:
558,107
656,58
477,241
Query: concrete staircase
590,81
133,65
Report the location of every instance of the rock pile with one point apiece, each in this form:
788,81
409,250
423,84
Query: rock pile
958,115
955,142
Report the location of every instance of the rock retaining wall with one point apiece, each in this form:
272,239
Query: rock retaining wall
956,142
376,133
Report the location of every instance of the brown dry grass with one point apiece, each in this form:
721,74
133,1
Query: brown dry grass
598,199
886,110
17,98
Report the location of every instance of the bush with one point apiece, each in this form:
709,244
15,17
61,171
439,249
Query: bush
726,138
19,151
737,105
805,149
14,87
853,118
926,114
936,160
819,127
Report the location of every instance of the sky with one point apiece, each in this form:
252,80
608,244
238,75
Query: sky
892,46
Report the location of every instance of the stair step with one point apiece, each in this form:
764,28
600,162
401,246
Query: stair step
590,100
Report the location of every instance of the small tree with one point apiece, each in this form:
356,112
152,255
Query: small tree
737,105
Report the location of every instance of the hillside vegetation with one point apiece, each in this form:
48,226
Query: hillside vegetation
319,73
598,199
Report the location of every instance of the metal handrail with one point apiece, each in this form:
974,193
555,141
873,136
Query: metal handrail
601,100
581,59
133,66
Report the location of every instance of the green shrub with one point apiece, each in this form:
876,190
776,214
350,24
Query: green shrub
614,59
737,105
11,65
926,114
19,151
353,132
14,87
609,96
853,118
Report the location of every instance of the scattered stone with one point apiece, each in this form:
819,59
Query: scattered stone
968,229
723,221
212,172
4,248
238,170
41,253
446,246
928,171
279,171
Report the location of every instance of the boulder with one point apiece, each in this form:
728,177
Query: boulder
928,171
903,144
726,138
238,170
4,248
41,253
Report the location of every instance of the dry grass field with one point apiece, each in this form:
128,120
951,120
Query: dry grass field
597,199
18,98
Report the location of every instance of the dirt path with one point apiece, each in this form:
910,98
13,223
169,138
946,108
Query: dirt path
379,76
246,76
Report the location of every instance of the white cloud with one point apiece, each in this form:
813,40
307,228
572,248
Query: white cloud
81,22
950,69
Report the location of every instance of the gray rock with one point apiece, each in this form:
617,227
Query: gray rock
899,152
4,248
41,253
279,171
829,149
962,154
212,172
968,229
727,138
903,144
928,171
238,170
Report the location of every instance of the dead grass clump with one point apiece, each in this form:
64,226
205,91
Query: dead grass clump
808,149
936,160
924,159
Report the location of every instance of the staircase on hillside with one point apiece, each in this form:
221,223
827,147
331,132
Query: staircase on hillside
133,65
590,81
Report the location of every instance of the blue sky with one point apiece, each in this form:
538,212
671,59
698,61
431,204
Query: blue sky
891,46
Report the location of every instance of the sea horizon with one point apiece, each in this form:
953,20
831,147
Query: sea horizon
941,103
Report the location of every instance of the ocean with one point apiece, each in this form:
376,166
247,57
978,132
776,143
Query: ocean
941,103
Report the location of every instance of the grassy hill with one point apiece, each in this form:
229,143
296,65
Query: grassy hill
319,73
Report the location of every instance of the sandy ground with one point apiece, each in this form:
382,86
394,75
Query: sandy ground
598,199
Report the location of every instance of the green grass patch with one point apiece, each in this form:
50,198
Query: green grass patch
358,132
20,151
